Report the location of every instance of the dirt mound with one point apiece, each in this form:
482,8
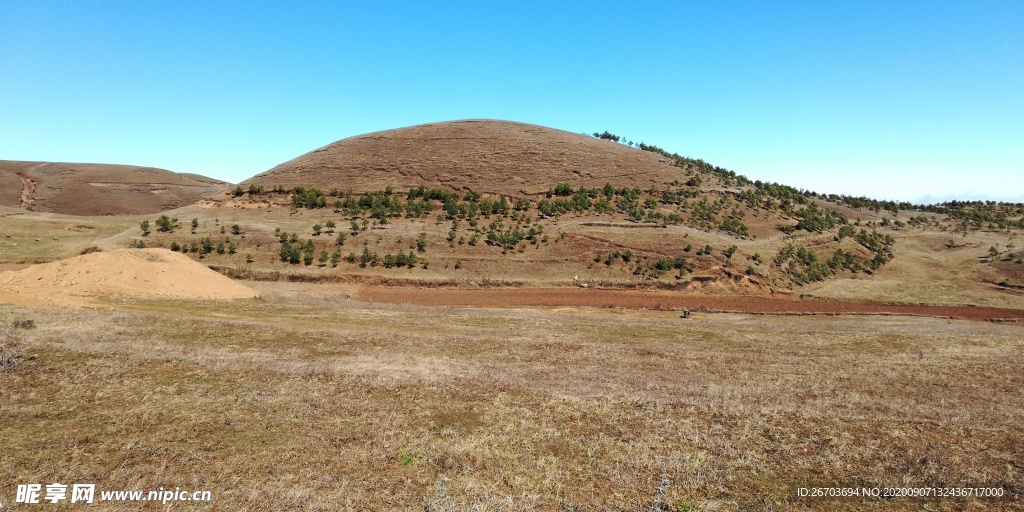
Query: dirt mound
137,272
99,189
483,155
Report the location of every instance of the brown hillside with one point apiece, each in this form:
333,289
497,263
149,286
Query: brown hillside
99,189
483,155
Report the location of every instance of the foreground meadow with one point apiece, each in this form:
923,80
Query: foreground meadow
309,400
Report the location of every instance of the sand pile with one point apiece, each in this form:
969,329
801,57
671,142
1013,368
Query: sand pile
136,272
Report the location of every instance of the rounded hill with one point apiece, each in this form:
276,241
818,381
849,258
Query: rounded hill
486,156
99,189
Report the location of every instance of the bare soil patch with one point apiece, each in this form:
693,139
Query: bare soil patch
663,300
144,272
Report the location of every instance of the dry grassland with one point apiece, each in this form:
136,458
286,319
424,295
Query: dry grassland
304,400
99,189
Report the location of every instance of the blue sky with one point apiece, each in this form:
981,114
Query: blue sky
901,100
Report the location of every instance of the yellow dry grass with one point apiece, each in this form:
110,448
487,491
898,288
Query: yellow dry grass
306,400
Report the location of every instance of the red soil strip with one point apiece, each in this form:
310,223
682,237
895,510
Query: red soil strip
665,300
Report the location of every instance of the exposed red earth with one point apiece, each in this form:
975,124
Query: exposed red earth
666,300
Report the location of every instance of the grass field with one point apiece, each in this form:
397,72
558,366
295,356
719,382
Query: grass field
307,400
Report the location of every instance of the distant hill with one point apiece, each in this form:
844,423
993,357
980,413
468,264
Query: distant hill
539,214
99,189
482,155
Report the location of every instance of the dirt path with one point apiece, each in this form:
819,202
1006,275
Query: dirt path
28,187
664,300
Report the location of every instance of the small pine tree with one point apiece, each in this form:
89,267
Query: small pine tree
163,223
145,227
195,225
323,258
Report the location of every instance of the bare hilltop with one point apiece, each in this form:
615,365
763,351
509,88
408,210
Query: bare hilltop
487,156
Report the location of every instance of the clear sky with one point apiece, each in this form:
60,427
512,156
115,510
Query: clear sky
891,99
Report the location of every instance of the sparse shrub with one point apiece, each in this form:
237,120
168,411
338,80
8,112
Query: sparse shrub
145,227
12,346
368,258
735,226
165,223
286,251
